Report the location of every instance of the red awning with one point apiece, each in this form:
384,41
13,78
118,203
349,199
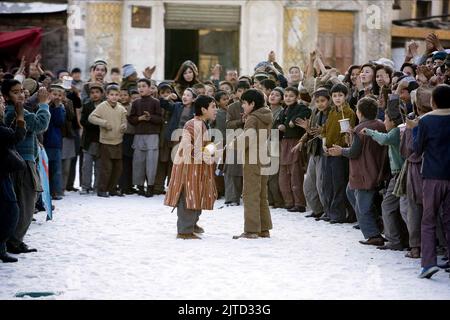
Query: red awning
25,42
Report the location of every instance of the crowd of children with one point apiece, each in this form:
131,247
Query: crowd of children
369,146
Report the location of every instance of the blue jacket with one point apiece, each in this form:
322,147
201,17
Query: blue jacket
53,136
432,139
35,123
176,110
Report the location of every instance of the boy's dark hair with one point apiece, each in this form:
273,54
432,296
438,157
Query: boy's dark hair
440,96
228,84
198,86
394,114
268,84
75,70
202,101
397,74
339,87
147,81
7,85
115,70
292,89
242,84
60,71
368,108
112,87
208,83
219,94
256,96
304,95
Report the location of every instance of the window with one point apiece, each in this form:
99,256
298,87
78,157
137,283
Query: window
141,17
423,9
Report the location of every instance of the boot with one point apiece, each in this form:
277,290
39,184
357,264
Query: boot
4,256
264,234
198,229
413,254
103,194
150,192
141,191
247,235
374,241
188,236
297,209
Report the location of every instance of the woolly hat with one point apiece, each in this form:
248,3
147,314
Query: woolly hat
440,55
280,90
96,85
31,85
128,70
164,85
322,92
261,76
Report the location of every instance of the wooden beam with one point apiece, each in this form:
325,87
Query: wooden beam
418,33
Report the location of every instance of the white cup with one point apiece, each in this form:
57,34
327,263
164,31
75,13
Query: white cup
19,77
67,82
345,125
210,148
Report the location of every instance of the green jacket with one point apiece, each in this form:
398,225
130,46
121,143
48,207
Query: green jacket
392,140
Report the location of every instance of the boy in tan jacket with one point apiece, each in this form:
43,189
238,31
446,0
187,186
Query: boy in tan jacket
110,116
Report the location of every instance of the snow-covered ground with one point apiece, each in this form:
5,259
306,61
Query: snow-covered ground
125,248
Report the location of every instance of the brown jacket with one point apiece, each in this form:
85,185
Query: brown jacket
368,165
193,170
151,105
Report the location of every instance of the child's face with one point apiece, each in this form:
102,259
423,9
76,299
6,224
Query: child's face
248,107
225,87
338,98
153,91
322,103
209,91
201,91
290,98
266,91
124,97
76,76
165,93
187,98
405,96
56,96
275,98
239,93
16,94
95,95
211,112
113,97
144,89
223,102
115,77
388,124
135,96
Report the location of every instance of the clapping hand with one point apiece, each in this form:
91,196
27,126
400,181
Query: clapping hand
335,151
145,117
43,95
305,124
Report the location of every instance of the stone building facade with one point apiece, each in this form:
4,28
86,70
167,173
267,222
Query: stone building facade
345,31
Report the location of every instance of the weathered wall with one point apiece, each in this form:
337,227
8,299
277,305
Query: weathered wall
372,35
54,41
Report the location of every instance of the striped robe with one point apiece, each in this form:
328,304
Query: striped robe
193,170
